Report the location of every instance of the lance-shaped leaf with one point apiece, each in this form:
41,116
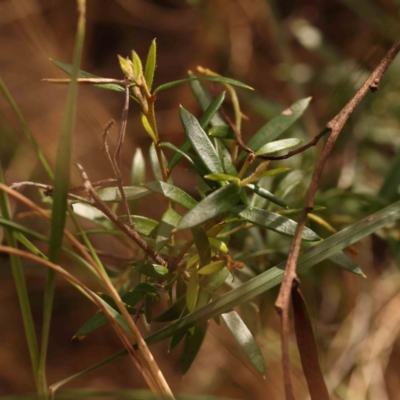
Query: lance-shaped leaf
222,178
202,244
213,205
267,195
137,65
138,170
126,67
200,142
83,74
278,125
112,194
275,171
272,221
222,132
219,79
172,312
131,299
211,110
345,262
152,270
212,268
244,339
148,128
181,152
173,193
278,145
144,226
192,291
150,64
168,223
191,347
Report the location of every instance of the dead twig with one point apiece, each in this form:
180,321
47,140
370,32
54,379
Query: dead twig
290,277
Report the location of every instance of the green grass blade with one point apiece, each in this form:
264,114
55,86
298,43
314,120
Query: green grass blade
274,275
26,129
19,280
61,186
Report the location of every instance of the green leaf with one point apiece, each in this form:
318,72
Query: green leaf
138,171
83,74
152,270
168,223
222,177
390,187
213,205
212,268
175,340
155,165
200,142
211,109
222,132
244,339
274,222
219,79
212,282
278,145
192,346
202,244
278,125
126,67
137,66
132,298
173,193
179,151
273,276
267,195
172,312
150,65
112,194
219,246
275,171
192,291
345,262
148,128
184,148
144,226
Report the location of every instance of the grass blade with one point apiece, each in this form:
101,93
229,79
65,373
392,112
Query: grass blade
61,186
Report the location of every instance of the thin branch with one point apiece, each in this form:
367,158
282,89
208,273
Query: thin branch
96,81
130,231
290,277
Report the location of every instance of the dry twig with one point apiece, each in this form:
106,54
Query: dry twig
290,277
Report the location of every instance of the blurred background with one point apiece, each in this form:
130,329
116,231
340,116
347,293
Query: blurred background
286,50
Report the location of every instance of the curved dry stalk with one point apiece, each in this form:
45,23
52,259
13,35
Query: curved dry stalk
290,278
149,369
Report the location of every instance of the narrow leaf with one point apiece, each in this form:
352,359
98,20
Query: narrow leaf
178,151
212,267
150,64
222,178
275,171
200,142
219,79
138,170
275,222
213,205
202,244
173,193
152,270
192,291
112,194
222,132
126,67
244,339
267,195
137,66
83,74
148,128
168,223
278,125
192,346
278,145
211,109
172,312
